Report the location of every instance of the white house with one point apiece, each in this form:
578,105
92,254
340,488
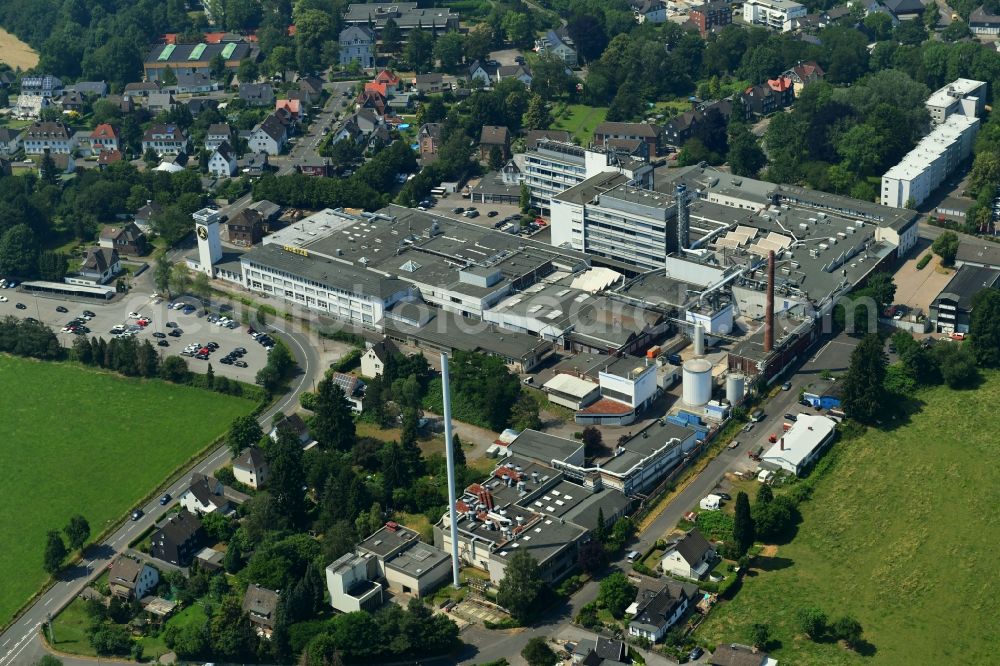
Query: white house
775,14
218,134
558,43
130,579
99,265
204,495
689,557
250,468
52,136
165,140
656,611
375,357
269,136
222,163
357,44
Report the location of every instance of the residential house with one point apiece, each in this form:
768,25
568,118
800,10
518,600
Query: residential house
178,539
197,105
218,134
122,103
733,654
144,216
90,88
357,44
7,79
222,163
353,388
484,71
295,423
257,94
519,72
159,102
71,100
649,11
104,138
375,358
41,86
767,98
318,167
245,228
711,16
804,74
140,89
250,468
293,107
905,9
261,605
312,87
165,140
194,83
99,265
494,136
348,130
429,140
982,22
196,58
393,84
54,137
254,165
600,651
10,141
205,494
108,157
269,136
130,579
127,239
374,100
657,610
559,43
691,556
645,132
426,84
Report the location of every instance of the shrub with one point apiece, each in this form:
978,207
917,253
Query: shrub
924,260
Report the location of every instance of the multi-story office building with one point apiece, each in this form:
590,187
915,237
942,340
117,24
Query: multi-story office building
775,14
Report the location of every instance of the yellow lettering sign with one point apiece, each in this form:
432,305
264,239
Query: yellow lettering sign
295,250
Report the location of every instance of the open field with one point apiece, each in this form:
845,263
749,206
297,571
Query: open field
80,441
900,533
580,121
16,53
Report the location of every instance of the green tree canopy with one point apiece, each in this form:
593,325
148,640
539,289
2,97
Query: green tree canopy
521,586
864,383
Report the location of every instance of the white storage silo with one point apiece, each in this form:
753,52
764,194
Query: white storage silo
697,388
735,386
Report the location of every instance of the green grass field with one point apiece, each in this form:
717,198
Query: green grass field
900,533
80,441
580,121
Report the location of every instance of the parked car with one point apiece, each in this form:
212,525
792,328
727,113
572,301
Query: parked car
137,514
21,306
240,364
458,210
3,299
88,313
165,499
492,213
159,335
735,443
695,653
163,343
790,417
176,333
787,386
748,427
60,308
171,324
134,315
725,496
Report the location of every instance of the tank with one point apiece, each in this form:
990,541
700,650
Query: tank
699,340
697,388
735,387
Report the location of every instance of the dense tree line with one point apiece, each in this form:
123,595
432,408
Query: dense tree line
483,391
29,338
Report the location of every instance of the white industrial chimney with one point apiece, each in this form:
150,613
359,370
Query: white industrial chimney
450,458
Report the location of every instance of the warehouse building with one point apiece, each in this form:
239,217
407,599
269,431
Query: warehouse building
802,445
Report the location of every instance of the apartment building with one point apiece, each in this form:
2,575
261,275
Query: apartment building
774,14
962,96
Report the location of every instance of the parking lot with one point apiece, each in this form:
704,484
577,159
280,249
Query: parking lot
194,327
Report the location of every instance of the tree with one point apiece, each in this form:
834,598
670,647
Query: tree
984,329
419,50
760,635
233,561
772,520
521,586
333,423
248,71
524,414
201,288
231,635
538,653
764,495
77,532
244,431
457,453
812,622
169,77
847,629
946,247
287,475
161,274
52,265
745,156
391,36
18,251
864,383
55,552
525,198
48,170
743,530
592,557
616,594
593,442
537,116
449,50
958,365
518,27
956,31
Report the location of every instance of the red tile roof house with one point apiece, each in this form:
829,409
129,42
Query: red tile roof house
392,83
292,106
104,137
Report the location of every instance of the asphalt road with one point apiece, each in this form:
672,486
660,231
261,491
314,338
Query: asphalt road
19,644
305,150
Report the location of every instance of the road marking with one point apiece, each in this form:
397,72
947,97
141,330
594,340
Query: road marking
49,601
5,642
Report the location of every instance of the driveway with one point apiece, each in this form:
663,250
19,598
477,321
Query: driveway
916,289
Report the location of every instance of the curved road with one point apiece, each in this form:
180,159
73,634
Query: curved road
19,644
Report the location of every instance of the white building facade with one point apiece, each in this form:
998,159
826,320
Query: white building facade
774,14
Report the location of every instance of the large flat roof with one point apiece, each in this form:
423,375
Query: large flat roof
450,330
417,561
949,93
932,146
544,447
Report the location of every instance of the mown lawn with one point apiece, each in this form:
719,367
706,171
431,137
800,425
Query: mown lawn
900,533
580,121
80,441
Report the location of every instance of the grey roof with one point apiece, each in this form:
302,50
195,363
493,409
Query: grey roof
454,331
251,458
180,54
692,546
7,134
99,259
262,92
219,129
389,539
544,447
202,487
978,252
261,603
980,16
532,138
272,127
418,560
644,130
494,135
966,283
326,273
125,571
609,501
225,151
405,14
655,606
99,88
47,131
590,188
610,649
179,528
